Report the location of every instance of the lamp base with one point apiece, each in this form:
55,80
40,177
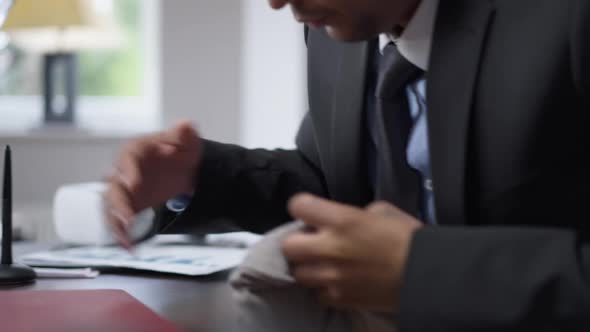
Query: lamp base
60,87
16,274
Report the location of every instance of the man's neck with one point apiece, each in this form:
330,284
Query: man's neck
407,15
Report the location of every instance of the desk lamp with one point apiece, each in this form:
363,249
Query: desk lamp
58,29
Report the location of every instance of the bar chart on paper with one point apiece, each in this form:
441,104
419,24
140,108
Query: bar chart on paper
178,259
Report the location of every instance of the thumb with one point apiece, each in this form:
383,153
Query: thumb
182,134
387,210
384,209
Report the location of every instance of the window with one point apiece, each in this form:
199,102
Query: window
116,73
116,86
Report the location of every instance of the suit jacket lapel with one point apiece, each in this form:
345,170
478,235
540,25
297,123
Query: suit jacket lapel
347,174
459,38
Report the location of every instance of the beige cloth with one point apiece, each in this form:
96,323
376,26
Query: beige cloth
268,299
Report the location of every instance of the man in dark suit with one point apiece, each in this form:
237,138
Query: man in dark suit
481,179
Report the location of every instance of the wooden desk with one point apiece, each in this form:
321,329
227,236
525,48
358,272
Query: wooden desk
192,303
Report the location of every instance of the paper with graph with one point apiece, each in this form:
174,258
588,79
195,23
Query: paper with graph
179,259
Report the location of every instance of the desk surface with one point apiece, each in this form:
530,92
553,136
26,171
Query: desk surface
192,303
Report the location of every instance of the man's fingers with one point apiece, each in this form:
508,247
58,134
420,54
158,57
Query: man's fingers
122,237
383,208
320,212
315,275
129,172
306,247
118,229
119,210
278,4
331,296
332,282
119,201
182,135
388,210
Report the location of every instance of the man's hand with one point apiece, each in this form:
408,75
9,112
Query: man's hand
354,257
149,171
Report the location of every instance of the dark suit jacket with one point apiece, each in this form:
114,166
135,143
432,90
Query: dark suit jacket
508,106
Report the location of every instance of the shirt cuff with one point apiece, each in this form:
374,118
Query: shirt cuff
179,203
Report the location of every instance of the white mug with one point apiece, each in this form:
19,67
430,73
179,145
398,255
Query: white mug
79,216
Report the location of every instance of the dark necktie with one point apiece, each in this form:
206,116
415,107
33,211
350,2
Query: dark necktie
396,181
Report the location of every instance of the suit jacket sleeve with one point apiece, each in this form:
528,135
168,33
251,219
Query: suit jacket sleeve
504,279
250,187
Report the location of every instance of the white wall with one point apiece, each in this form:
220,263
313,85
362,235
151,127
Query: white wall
273,76
201,50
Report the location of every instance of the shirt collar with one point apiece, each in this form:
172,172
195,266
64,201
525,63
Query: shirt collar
416,40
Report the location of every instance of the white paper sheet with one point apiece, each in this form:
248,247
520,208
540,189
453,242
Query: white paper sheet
86,273
179,259
234,239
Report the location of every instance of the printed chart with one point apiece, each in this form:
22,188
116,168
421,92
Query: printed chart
180,259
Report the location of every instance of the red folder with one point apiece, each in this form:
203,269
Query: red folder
77,310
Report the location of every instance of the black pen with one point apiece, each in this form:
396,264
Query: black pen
7,209
10,273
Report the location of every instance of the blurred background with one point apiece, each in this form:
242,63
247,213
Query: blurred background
80,77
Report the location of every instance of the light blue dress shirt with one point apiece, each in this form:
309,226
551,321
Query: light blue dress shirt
418,149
